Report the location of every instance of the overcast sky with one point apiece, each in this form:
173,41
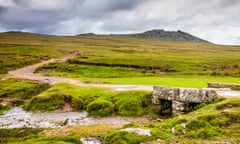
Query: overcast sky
215,20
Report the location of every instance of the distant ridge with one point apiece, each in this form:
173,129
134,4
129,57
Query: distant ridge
152,34
159,34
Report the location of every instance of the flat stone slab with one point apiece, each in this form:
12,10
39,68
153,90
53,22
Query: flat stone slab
194,95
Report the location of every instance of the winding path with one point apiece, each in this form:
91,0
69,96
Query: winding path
28,73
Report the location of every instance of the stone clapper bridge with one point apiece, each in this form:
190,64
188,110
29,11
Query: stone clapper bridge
177,100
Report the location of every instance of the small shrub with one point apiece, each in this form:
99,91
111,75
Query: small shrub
100,107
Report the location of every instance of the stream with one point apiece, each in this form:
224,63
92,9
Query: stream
18,118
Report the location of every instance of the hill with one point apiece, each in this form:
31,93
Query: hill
160,35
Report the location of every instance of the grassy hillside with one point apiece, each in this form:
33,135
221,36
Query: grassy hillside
123,59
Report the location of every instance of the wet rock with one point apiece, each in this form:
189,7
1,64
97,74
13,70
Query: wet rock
173,130
90,140
138,131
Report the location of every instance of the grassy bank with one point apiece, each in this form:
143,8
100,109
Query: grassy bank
97,101
14,92
22,89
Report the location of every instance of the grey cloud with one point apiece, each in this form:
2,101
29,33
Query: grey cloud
216,20
227,3
2,10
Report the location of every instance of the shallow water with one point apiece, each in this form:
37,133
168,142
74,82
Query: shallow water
18,118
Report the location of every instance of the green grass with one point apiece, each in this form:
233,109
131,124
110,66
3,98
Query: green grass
15,56
97,101
198,81
212,123
29,136
100,107
17,91
90,71
21,89
175,81
120,137
3,109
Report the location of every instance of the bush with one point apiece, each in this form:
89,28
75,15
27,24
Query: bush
129,107
100,107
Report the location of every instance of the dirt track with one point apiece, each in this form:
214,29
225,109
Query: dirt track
28,73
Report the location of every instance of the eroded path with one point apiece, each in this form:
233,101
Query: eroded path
28,73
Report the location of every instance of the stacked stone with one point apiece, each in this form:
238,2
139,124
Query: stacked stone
181,97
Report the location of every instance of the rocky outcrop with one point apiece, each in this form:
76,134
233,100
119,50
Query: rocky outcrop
181,99
158,34
169,36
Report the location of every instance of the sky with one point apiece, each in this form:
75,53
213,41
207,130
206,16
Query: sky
217,21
